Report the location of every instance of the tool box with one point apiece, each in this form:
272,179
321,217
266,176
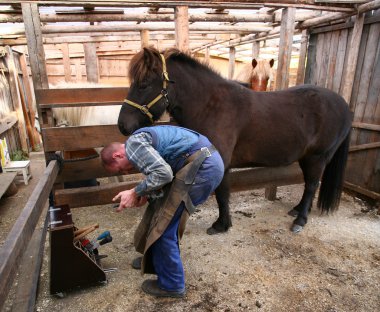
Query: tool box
71,263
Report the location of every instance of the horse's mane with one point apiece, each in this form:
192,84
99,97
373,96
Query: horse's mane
148,61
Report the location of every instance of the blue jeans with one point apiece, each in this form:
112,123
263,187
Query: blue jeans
165,251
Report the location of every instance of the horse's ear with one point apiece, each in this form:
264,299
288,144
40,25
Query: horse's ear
148,57
254,63
271,62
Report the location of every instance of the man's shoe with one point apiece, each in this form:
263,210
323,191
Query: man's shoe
151,287
136,263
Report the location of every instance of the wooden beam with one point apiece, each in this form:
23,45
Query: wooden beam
369,6
82,170
18,238
326,18
35,46
143,18
285,45
232,4
240,180
365,146
361,190
181,14
76,138
53,29
302,58
353,53
367,20
231,62
366,126
144,34
207,55
96,37
255,49
29,271
16,98
77,96
29,94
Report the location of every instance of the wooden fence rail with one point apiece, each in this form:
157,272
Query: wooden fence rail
21,232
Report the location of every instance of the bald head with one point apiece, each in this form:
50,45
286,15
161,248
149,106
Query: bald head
114,158
108,152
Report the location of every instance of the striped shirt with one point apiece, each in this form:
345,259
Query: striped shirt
148,161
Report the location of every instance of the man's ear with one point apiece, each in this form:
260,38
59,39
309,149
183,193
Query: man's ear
117,155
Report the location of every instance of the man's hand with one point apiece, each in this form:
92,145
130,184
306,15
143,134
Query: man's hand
129,199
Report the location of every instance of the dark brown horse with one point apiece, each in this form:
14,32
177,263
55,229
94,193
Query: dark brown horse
307,124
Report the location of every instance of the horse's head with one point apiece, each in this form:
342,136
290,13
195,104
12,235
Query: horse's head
147,95
261,73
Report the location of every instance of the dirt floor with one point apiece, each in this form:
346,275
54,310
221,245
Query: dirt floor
259,265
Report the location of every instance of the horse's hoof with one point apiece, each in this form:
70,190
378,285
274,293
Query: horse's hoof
293,213
213,231
296,228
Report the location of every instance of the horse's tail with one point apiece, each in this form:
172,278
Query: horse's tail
332,179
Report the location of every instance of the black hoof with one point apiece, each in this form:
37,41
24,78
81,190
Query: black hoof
293,213
296,228
212,231
219,227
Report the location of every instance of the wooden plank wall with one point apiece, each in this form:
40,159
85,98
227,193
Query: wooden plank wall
327,60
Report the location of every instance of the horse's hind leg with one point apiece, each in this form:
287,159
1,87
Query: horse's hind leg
312,168
222,193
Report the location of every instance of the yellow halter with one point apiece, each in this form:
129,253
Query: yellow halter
145,108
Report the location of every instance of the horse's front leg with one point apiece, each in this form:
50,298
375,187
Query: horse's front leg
222,193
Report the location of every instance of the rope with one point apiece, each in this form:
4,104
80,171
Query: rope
80,159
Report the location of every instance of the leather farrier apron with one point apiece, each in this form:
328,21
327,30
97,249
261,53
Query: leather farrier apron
160,212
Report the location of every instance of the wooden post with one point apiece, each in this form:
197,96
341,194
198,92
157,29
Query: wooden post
144,34
207,55
352,57
31,101
16,99
66,61
231,64
286,41
36,51
284,56
91,61
255,49
302,58
182,27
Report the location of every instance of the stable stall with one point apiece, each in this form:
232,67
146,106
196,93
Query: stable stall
336,47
